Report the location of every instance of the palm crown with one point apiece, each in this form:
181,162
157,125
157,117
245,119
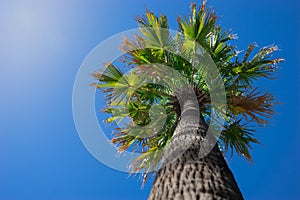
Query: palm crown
129,98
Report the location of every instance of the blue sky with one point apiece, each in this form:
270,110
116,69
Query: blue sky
43,44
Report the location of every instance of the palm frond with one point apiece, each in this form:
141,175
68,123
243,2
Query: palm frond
243,73
238,138
253,104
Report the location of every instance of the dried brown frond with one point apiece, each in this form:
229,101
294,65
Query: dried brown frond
254,105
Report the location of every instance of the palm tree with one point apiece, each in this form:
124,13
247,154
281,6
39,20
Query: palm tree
173,148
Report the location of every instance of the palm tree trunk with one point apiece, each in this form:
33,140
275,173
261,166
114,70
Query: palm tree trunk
188,176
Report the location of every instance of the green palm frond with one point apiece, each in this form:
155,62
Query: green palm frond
236,136
261,65
158,33
200,25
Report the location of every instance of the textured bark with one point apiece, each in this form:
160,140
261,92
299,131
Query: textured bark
184,175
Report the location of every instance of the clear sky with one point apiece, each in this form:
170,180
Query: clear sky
42,45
